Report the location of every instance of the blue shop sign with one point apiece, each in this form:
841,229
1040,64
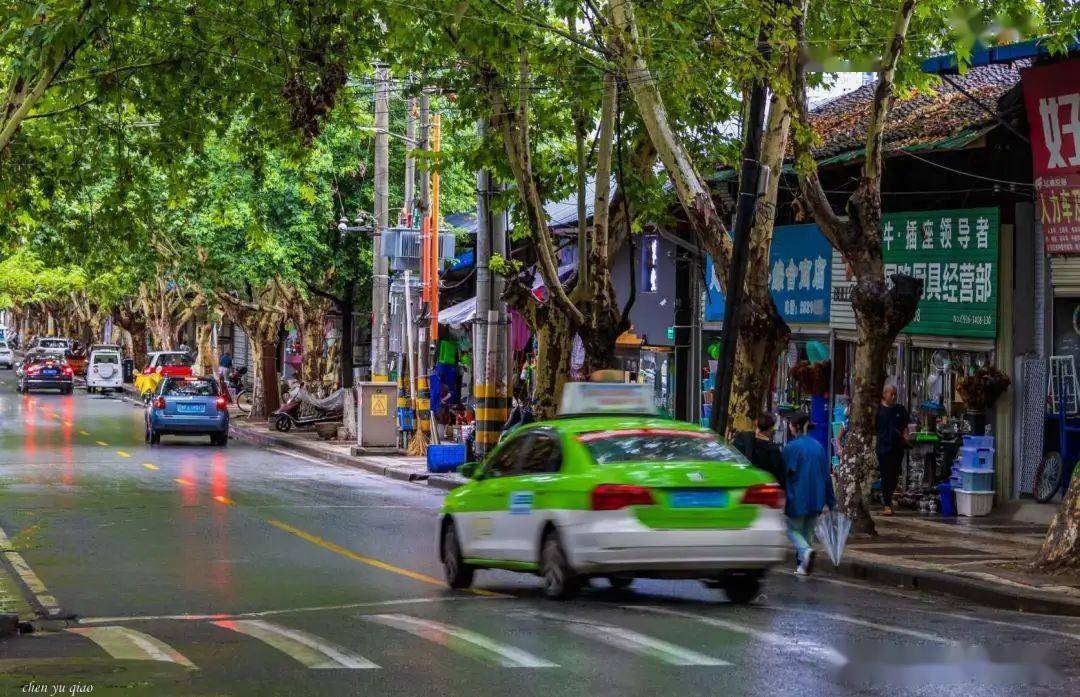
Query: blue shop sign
799,276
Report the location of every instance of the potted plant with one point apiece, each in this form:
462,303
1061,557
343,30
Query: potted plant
980,391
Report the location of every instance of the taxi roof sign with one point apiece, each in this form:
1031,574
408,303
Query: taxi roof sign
593,398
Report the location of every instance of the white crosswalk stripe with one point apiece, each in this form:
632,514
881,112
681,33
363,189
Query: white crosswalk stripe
129,644
809,648
463,640
634,642
306,648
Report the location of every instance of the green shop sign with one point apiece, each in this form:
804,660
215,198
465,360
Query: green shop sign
955,253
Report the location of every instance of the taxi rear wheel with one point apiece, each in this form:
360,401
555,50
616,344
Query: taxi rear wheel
560,581
741,588
458,573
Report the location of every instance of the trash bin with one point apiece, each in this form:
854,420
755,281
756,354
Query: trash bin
128,368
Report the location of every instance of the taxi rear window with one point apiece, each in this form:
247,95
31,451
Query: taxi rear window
657,445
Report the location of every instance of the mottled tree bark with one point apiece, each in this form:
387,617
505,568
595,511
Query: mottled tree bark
881,310
260,317
1061,548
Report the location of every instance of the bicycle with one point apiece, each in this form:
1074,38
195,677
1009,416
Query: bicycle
238,393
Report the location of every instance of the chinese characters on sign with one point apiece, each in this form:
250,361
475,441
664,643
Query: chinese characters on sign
1052,96
955,253
799,276
799,262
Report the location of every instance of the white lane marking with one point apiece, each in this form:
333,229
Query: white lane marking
797,644
870,624
306,648
287,611
30,579
875,589
634,642
1013,625
444,634
129,644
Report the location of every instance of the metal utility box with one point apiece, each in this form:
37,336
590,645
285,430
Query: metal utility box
376,409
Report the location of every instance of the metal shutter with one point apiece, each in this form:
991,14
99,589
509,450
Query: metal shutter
1065,272
241,349
841,316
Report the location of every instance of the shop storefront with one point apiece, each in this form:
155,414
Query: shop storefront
956,253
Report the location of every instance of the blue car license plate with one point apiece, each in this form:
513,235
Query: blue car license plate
49,371
698,498
189,408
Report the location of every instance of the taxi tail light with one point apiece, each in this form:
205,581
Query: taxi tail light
222,404
612,497
159,402
770,495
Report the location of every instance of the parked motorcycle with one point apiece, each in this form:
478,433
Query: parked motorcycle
301,410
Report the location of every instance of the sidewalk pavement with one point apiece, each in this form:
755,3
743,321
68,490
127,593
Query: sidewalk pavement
982,560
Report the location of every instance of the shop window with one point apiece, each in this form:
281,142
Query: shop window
650,259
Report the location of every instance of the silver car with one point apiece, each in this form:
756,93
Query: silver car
7,356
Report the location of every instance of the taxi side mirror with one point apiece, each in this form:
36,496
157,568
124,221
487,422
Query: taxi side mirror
469,470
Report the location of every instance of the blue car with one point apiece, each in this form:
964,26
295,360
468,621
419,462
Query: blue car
188,406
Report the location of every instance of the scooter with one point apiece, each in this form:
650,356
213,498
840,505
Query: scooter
300,413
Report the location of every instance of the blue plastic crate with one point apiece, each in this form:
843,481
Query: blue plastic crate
979,442
446,457
976,480
405,419
976,458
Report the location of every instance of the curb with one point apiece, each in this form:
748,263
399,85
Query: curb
286,443
970,589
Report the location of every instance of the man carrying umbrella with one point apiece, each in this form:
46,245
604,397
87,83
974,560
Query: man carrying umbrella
809,489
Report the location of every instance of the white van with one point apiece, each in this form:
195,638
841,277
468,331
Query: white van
104,370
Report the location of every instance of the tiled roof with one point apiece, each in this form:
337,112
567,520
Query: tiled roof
923,117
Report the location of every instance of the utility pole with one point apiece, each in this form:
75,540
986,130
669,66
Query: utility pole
749,186
380,285
490,328
406,219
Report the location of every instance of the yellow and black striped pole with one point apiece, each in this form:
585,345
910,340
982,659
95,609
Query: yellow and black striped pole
490,393
423,389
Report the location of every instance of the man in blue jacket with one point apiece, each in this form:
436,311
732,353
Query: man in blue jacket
809,489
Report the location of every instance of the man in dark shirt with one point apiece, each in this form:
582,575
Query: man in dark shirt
760,450
892,424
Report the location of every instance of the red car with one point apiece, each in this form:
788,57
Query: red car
172,363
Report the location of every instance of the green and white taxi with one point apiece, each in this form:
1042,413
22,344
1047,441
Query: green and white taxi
612,490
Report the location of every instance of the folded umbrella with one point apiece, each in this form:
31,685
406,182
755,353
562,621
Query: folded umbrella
832,529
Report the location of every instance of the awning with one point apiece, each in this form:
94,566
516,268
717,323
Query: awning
457,315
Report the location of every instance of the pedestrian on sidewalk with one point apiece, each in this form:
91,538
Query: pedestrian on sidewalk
760,449
892,425
224,364
809,489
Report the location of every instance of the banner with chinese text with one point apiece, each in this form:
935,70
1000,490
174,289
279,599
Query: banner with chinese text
955,253
1052,97
799,276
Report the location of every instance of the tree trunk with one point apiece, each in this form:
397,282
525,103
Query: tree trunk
1061,548
554,342
206,357
312,333
348,298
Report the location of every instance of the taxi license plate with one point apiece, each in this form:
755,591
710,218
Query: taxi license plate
698,498
189,408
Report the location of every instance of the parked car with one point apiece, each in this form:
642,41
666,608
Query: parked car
43,371
172,363
54,345
7,356
188,406
104,371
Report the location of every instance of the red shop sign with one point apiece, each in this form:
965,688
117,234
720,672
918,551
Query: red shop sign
1052,96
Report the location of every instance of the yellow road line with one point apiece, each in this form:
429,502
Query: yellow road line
83,433
349,554
101,443
67,423
122,453
182,482
149,466
225,500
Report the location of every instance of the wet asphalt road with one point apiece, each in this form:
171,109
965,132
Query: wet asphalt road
242,571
